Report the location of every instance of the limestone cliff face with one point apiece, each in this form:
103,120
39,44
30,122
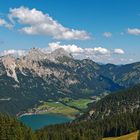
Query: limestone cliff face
10,65
38,63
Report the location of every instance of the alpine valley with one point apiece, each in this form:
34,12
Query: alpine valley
69,70
56,82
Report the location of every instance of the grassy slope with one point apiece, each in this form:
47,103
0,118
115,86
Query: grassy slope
132,136
81,103
57,107
70,107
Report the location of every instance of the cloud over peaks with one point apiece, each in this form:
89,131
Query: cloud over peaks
78,50
98,54
13,52
69,48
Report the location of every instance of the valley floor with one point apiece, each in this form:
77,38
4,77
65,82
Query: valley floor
65,106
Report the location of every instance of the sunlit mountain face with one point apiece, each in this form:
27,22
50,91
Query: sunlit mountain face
69,70
37,76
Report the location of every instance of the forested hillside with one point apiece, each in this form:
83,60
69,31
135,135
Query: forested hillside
11,129
113,126
124,101
117,125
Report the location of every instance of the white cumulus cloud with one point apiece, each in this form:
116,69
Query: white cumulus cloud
75,49
69,48
107,34
101,50
119,51
13,52
98,54
5,23
2,22
134,31
35,22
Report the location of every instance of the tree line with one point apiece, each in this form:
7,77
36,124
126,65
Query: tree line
113,126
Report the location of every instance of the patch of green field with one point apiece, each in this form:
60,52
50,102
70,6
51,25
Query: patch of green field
58,108
80,103
132,136
65,106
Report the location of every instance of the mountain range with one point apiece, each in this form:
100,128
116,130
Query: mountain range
28,80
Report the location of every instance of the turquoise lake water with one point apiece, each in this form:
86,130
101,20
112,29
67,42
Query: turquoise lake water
39,121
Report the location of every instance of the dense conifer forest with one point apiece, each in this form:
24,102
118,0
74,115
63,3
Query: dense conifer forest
122,101
11,129
116,125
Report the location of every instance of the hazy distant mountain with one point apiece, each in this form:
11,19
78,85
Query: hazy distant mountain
39,76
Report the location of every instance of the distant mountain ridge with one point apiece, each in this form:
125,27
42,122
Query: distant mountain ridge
26,81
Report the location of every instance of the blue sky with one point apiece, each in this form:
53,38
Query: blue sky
113,25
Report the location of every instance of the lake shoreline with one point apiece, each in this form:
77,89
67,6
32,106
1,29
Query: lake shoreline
34,113
37,121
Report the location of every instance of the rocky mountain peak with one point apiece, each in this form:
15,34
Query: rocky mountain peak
35,54
60,52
